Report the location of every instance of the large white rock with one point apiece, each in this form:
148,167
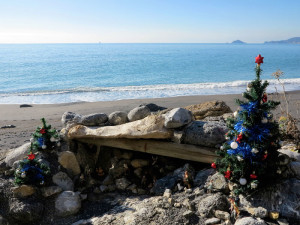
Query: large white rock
17,154
149,127
249,221
67,203
177,117
62,180
68,160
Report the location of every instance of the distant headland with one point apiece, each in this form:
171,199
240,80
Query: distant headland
238,42
294,40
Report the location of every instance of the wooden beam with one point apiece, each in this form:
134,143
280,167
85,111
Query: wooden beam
163,148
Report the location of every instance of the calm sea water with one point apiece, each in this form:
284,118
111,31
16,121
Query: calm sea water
59,73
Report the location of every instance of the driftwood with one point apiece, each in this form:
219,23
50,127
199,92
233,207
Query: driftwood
163,148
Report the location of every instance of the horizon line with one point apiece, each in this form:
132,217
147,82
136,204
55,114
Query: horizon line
4,43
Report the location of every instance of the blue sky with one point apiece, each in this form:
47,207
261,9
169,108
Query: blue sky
140,21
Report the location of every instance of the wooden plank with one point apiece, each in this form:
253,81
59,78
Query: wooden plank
163,148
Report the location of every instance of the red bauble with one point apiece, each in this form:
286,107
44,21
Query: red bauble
265,98
259,59
265,156
239,138
228,174
253,176
213,165
43,131
31,156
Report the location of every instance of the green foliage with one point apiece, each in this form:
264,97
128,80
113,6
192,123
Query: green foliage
44,137
257,136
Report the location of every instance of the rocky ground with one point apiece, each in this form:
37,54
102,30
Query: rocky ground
115,186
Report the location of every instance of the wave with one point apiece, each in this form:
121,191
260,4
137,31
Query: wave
91,94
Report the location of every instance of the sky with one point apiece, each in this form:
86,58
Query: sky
148,21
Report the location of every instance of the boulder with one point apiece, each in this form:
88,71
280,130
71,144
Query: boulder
211,108
167,182
149,127
211,203
217,182
25,211
153,107
70,117
68,160
95,119
177,117
67,203
138,163
207,134
138,113
51,190
295,166
23,191
62,180
17,154
292,154
249,221
117,118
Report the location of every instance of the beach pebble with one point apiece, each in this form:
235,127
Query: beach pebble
117,118
95,119
68,203
17,154
69,117
8,126
177,117
25,105
138,113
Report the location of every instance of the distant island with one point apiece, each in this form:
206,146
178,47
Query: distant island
295,40
238,42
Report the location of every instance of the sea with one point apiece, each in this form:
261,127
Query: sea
65,73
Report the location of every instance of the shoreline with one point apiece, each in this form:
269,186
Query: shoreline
27,119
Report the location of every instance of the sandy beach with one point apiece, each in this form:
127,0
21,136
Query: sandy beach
27,119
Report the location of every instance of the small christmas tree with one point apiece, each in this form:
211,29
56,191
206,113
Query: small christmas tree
44,137
249,158
31,171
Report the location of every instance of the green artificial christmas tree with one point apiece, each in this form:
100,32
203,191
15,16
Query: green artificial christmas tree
249,158
44,138
31,171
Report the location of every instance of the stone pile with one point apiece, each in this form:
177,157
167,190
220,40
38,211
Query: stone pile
115,186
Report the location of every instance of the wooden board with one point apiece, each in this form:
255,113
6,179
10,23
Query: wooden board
163,148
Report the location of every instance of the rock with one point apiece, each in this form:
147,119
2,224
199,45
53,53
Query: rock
51,190
138,163
211,108
132,188
3,221
70,117
188,214
177,205
167,193
249,221
122,183
67,203
212,202
112,187
222,215
217,182
95,119
117,118
138,113
177,117
118,168
138,172
17,154
167,182
141,191
8,126
23,191
205,133
153,107
202,176
282,221
260,212
150,127
25,212
295,166
212,221
103,188
283,198
25,105
62,180
108,180
290,150
178,136
68,160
